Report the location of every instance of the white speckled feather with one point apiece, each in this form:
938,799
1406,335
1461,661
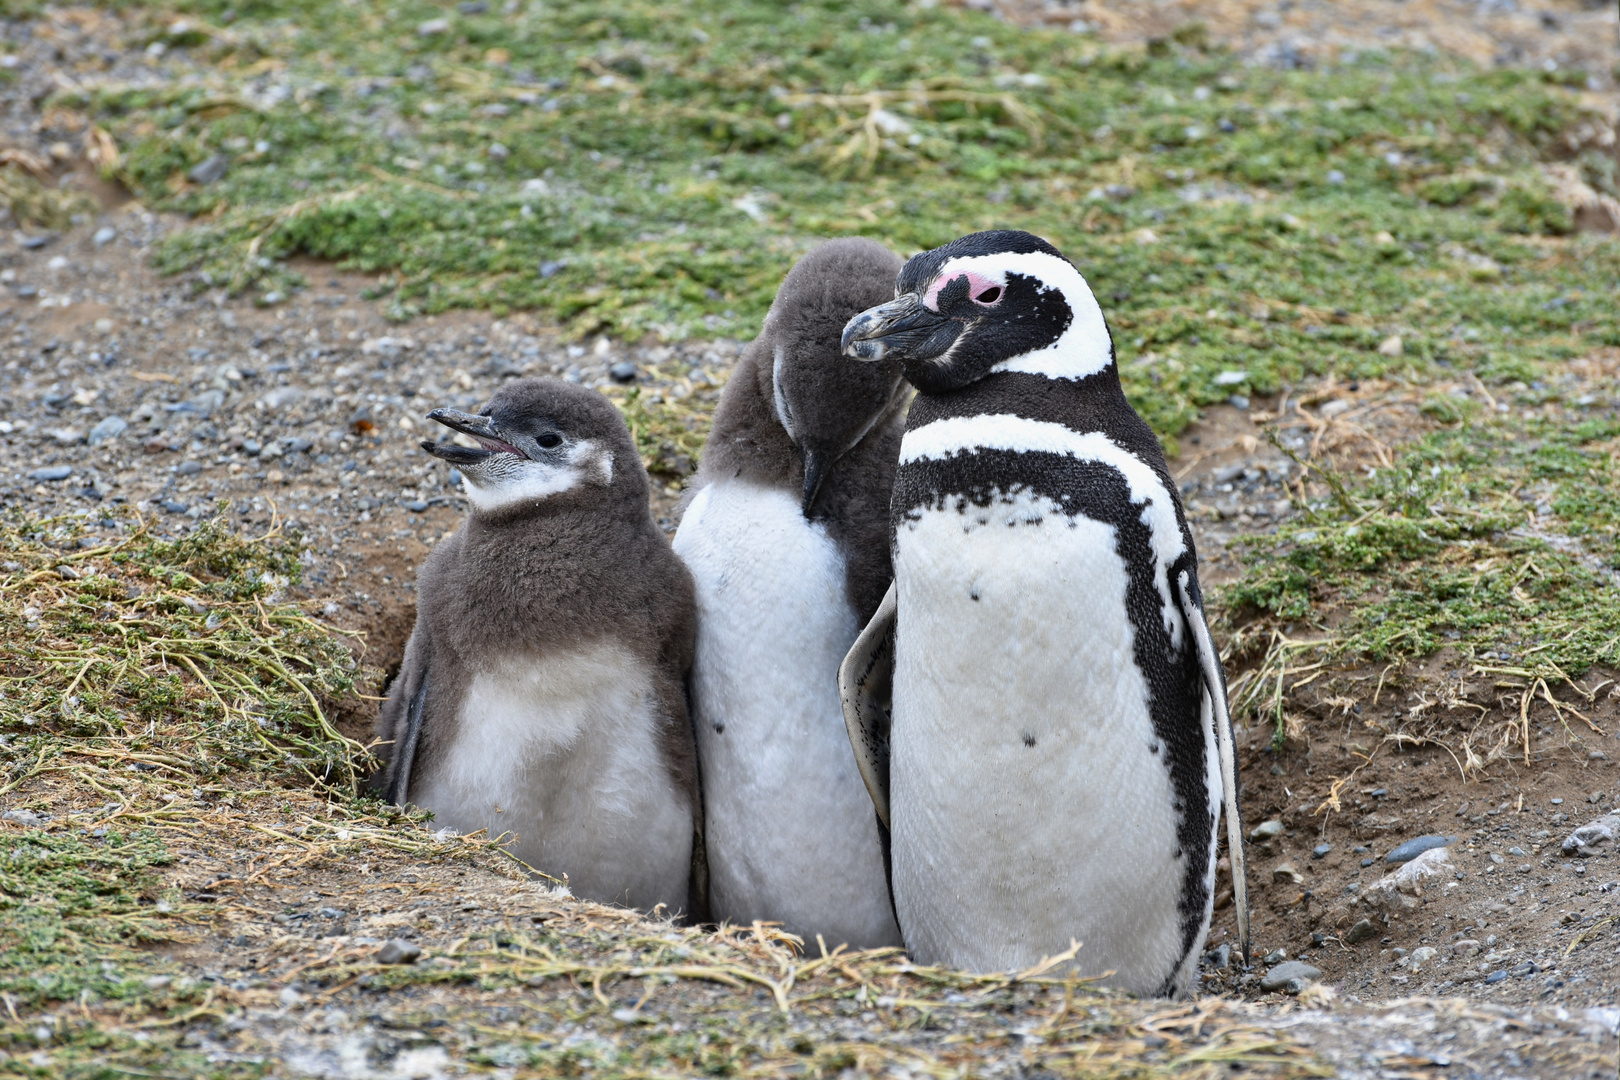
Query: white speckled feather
1016,688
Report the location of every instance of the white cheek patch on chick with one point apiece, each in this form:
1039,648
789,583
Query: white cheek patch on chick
501,483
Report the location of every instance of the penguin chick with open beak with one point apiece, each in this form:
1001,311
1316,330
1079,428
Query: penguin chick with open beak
787,540
543,690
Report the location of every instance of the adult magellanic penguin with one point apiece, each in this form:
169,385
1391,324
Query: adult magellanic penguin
1059,746
543,689
787,540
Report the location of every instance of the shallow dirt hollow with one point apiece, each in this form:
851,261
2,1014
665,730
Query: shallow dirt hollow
204,382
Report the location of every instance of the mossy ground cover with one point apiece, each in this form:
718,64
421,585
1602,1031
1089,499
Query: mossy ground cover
1495,537
636,168
135,667
645,168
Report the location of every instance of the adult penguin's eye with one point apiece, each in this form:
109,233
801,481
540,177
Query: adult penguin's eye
550,440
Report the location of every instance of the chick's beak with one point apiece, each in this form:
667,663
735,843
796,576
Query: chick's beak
480,428
816,466
902,329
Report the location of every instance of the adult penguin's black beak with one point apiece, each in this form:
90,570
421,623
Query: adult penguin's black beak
903,329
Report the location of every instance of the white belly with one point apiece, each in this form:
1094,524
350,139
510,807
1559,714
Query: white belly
791,833
1028,805
563,753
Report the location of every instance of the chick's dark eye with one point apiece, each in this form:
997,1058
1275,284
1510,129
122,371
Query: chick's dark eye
990,295
550,440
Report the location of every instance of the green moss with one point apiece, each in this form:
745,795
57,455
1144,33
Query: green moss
1500,539
660,165
179,657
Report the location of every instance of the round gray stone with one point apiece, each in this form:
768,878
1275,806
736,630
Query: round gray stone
1280,976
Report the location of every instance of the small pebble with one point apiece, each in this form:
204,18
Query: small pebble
396,951
1320,850
109,428
1361,931
1279,977
52,473
624,371
1366,862
189,468
416,506
209,169
1495,977
1413,848
26,818
174,506
104,236
1266,831
1275,956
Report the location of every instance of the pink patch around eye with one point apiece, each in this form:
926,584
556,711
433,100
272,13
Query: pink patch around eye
977,285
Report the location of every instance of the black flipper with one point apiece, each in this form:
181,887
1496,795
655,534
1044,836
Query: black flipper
865,685
399,784
1209,661
697,889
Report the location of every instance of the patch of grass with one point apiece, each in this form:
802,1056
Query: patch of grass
652,167
135,656
35,204
1498,539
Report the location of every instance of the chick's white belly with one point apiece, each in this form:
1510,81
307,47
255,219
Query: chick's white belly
791,833
1029,806
564,752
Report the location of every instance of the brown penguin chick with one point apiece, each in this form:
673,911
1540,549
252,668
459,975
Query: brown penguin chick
787,540
543,689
